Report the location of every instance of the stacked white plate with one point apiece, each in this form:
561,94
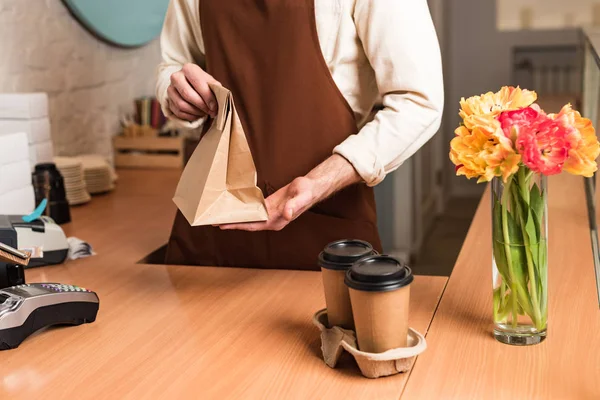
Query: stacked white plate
98,174
72,171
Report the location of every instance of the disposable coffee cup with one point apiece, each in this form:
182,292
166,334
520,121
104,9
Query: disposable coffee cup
335,260
379,288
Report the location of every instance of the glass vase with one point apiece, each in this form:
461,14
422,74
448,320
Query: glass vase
520,258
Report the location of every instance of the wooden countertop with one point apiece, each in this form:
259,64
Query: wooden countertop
463,360
184,332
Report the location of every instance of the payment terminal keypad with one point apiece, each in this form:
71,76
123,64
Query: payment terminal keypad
59,287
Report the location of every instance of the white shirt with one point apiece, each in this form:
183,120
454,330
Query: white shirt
376,50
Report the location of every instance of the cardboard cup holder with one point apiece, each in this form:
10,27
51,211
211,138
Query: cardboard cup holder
372,365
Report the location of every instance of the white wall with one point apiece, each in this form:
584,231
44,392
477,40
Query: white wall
479,59
409,199
547,14
89,83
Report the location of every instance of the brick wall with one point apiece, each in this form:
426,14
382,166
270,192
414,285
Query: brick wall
89,83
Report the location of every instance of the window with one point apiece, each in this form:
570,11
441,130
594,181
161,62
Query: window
546,14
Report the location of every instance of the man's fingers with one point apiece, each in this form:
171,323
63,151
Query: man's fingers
292,209
181,104
296,205
289,210
250,226
187,92
181,114
199,80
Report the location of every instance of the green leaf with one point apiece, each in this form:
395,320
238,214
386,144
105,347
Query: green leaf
520,310
523,179
533,231
498,241
538,252
514,231
543,276
542,255
537,201
519,205
500,260
497,220
537,221
497,305
516,248
519,263
532,228
501,302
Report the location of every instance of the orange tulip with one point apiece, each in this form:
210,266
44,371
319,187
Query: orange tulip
483,152
506,129
583,143
492,104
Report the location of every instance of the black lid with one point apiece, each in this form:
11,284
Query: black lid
341,254
378,273
45,167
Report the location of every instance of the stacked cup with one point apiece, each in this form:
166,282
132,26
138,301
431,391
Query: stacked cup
368,293
335,261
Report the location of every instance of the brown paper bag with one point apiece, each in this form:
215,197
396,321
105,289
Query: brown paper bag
218,184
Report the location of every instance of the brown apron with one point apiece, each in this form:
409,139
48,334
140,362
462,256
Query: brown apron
267,53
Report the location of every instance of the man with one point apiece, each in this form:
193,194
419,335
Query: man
305,75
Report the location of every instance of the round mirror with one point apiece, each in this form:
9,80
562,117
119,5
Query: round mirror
125,23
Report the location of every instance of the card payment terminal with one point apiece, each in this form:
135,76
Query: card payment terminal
24,309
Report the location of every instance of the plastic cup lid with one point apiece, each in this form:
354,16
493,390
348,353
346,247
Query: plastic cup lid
45,167
341,254
378,273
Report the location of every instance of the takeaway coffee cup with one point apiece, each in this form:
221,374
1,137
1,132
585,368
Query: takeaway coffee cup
335,260
379,288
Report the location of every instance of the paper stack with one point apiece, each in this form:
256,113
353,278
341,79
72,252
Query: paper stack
99,175
28,113
71,169
24,142
16,191
85,175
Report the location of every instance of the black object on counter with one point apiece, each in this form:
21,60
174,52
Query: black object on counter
11,275
48,184
341,254
379,273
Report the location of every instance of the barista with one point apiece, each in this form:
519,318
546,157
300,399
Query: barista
305,75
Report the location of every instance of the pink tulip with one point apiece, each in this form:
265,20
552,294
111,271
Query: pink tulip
542,142
512,121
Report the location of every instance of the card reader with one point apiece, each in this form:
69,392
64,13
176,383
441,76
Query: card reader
27,308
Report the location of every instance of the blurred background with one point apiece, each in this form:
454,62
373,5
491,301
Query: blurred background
96,62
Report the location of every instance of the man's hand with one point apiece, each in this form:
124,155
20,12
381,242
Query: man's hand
289,202
189,96
283,206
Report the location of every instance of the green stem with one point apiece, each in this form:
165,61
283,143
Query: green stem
537,317
523,180
513,286
500,302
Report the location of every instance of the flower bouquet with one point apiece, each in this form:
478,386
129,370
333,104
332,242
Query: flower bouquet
509,140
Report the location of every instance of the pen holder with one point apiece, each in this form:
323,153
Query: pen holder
372,365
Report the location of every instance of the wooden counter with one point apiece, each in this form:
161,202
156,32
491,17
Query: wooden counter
184,332
463,361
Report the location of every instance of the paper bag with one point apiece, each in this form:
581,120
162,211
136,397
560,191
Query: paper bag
218,184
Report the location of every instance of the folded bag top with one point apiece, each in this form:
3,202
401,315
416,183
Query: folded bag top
218,184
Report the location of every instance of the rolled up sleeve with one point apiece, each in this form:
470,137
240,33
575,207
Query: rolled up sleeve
181,43
400,42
